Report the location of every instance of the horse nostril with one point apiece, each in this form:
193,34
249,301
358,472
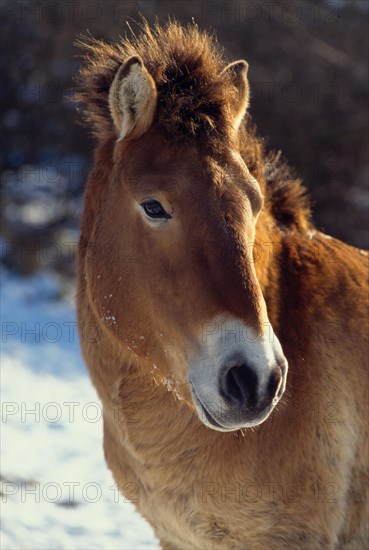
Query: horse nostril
274,383
240,385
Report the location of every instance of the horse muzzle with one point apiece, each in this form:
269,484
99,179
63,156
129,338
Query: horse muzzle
239,377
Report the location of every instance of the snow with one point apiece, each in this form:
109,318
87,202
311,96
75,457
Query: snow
57,492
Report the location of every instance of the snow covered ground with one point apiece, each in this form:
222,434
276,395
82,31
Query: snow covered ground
56,490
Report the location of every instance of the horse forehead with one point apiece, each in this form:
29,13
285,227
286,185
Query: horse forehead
151,156
229,168
186,165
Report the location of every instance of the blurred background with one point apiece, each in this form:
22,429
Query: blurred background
309,90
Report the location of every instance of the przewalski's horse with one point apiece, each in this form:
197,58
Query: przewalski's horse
198,265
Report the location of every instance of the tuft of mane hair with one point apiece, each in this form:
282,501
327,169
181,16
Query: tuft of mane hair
286,197
186,65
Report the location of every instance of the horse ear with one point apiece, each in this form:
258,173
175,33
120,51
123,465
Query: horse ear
237,71
132,99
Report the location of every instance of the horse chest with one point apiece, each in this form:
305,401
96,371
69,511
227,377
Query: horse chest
173,491
187,502
179,512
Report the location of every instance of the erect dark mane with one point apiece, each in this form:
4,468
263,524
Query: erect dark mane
285,196
185,64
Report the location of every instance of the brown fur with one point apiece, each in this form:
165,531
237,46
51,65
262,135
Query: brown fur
183,63
298,479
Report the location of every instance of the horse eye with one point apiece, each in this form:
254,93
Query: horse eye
155,210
